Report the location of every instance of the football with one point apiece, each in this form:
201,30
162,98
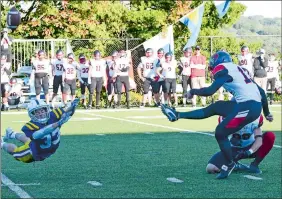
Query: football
13,18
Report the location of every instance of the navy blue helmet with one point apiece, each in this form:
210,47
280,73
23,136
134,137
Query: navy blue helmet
219,58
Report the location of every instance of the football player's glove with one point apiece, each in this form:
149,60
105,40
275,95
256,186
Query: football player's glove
169,112
242,155
269,117
65,117
75,102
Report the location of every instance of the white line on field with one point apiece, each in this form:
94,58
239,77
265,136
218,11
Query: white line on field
15,188
158,125
95,183
29,184
123,110
71,120
146,117
149,133
100,134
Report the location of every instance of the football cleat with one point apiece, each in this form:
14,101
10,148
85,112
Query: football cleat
241,167
254,169
169,112
9,132
226,171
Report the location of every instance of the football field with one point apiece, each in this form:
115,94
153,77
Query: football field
135,153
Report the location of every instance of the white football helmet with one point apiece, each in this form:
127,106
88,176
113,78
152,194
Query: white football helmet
38,111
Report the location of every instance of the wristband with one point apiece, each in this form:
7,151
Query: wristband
257,136
250,151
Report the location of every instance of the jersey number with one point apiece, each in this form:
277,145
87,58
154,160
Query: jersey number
70,70
149,65
59,67
169,68
186,64
85,70
244,62
48,138
246,78
98,68
270,69
40,67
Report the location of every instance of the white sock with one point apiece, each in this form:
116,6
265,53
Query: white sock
13,135
2,144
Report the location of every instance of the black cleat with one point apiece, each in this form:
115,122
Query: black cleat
226,171
254,169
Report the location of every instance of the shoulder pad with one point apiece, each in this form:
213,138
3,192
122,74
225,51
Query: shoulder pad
219,70
30,126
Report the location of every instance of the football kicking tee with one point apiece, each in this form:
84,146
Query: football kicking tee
249,100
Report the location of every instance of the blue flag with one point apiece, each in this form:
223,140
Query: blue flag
193,20
222,7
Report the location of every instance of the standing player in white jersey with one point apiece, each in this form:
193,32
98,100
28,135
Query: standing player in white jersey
5,72
159,82
69,77
83,76
185,68
57,70
246,60
97,71
41,69
249,100
272,75
167,71
112,75
147,66
123,65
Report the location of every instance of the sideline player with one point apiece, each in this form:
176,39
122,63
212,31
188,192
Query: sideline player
41,135
246,60
57,70
249,142
249,100
5,72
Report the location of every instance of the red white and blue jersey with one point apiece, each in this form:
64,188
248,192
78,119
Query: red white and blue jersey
45,147
241,87
244,137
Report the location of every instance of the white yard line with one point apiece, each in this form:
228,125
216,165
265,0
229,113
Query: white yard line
122,110
29,184
158,125
95,183
15,188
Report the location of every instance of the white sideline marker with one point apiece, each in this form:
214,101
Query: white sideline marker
175,180
95,183
252,177
100,134
15,188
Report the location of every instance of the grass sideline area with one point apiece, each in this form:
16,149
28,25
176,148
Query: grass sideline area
131,154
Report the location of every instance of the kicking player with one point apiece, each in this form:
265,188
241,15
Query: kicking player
83,76
41,135
249,142
249,100
57,70
97,71
5,72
